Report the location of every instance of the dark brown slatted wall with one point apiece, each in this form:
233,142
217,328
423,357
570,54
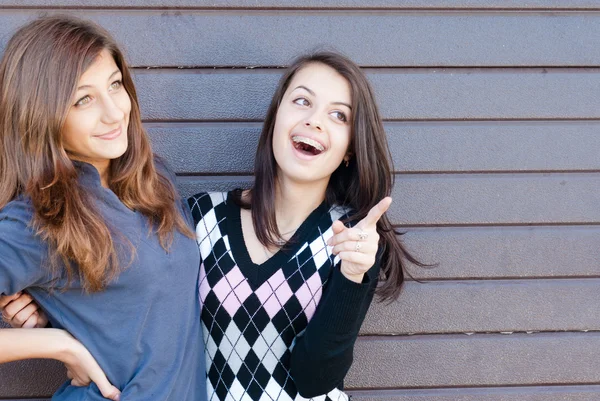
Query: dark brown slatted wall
492,110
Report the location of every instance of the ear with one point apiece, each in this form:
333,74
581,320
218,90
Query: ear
347,158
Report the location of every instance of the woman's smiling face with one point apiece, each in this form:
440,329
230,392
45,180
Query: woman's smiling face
313,124
95,130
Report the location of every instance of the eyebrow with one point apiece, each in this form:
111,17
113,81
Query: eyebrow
115,72
313,94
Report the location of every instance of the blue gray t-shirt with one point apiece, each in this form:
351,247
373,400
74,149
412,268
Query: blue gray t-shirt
143,329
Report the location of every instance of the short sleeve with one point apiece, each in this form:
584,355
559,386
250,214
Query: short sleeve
22,253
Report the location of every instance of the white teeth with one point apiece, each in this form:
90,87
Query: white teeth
308,141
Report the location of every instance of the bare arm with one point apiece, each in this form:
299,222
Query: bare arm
18,344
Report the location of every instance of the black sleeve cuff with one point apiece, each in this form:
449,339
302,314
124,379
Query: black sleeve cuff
343,314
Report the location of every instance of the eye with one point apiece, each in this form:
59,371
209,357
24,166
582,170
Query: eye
83,101
116,85
340,116
302,101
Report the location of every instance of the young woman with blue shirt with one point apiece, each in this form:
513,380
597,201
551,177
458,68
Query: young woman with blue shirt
91,225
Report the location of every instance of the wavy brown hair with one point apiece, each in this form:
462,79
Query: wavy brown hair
39,72
360,186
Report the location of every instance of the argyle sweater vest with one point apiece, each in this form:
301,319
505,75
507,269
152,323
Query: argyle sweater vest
253,315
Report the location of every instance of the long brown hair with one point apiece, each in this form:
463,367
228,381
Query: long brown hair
361,185
39,72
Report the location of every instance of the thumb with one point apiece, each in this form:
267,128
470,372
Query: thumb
337,227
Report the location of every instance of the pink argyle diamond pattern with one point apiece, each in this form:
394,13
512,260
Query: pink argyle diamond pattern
232,290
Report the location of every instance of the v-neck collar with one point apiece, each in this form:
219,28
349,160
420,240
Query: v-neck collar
89,177
257,274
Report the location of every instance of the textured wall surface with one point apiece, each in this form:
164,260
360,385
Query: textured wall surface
492,110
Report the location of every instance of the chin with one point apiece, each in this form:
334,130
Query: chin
307,178
117,152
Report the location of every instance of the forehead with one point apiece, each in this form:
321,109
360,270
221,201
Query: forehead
100,69
324,81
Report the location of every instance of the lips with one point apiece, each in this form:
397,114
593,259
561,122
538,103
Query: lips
307,146
111,134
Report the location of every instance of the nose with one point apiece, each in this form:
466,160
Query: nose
113,113
311,122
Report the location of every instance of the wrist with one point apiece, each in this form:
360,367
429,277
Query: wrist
357,278
64,347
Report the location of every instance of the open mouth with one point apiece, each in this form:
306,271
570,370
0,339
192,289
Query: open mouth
307,145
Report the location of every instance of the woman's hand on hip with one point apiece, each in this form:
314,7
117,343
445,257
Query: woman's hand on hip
82,369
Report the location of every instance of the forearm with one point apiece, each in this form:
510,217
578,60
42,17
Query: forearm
18,344
323,354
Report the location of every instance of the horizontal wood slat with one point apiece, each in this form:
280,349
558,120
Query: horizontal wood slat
301,4
197,38
402,94
553,393
521,146
505,252
479,199
489,306
478,360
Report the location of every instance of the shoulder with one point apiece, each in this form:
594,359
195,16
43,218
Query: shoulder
24,254
18,212
15,224
207,200
163,168
165,172
338,212
203,203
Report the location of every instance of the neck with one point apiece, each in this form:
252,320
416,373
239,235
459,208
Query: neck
103,176
295,201
101,166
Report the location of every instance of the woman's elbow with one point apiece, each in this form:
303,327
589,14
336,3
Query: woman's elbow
319,378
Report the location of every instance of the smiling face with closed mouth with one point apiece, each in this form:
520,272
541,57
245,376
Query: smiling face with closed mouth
95,130
313,124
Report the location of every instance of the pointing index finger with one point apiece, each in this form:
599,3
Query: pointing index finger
376,212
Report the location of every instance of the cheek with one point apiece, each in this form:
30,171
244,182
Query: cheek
279,130
66,139
75,130
124,102
343,140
